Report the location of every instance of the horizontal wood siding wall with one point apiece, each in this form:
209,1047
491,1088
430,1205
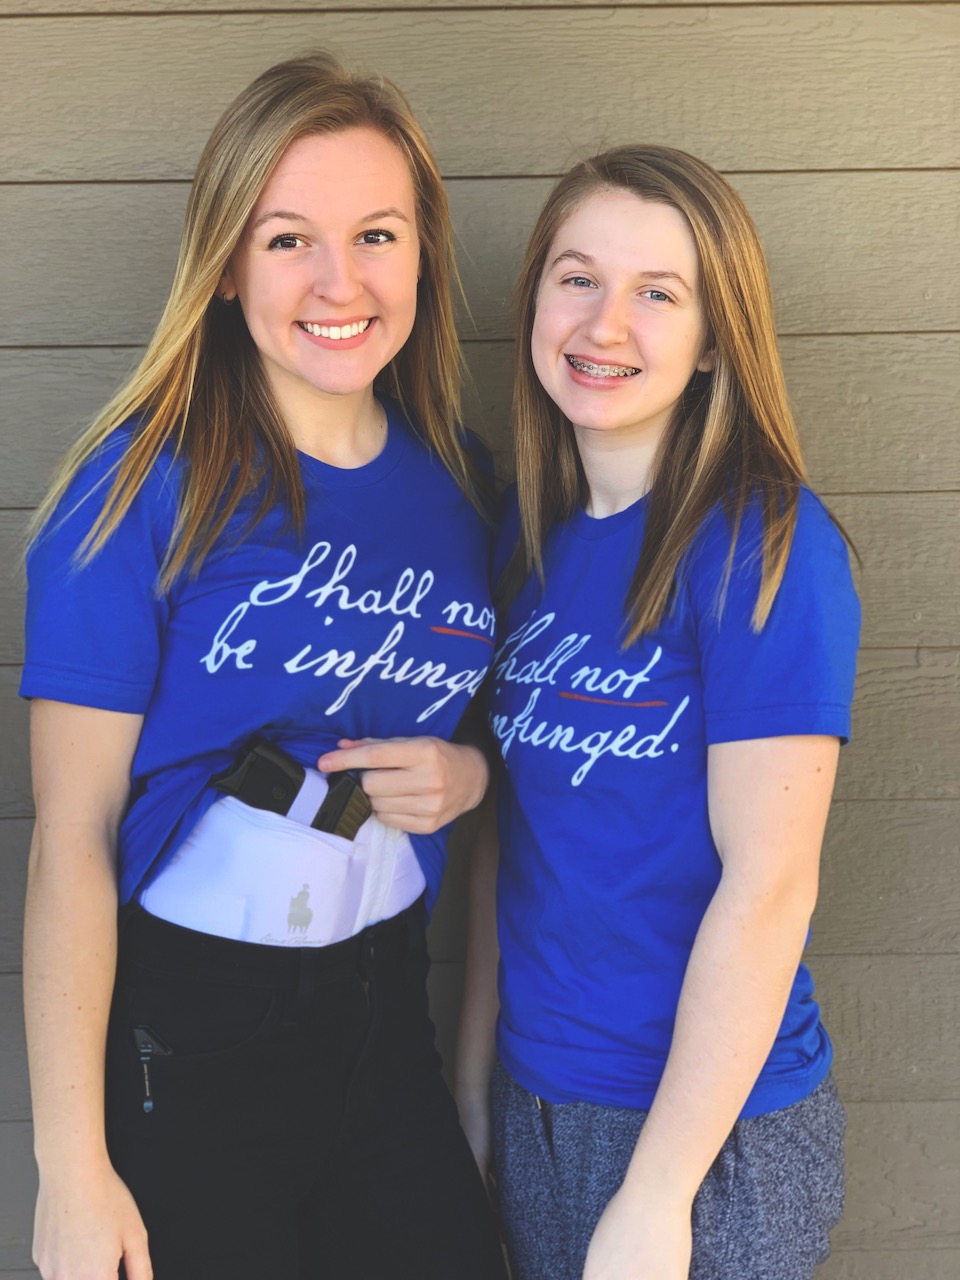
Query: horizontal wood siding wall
838,123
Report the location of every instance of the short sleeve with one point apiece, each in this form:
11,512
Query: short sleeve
796,675
93,630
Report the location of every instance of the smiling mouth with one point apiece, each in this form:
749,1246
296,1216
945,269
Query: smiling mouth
335,331
601,370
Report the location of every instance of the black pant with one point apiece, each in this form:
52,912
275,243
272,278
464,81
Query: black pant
280,1112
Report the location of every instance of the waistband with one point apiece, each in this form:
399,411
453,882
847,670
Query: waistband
160,945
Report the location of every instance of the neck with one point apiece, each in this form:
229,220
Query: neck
618,471
342,431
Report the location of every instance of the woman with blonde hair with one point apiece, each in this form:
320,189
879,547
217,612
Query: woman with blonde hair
264,566
672,682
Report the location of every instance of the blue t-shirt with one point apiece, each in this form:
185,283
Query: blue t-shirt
608,863
377,621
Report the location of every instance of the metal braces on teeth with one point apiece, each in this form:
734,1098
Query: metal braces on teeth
602,370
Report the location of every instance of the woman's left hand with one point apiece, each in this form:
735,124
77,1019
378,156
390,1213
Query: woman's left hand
637,1240
416,784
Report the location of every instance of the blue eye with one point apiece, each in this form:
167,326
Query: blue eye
377,236
579,281
657,295
286,240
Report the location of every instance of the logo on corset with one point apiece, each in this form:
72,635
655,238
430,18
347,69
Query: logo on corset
300,915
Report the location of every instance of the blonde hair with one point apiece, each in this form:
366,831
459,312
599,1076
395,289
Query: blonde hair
732,438
200,384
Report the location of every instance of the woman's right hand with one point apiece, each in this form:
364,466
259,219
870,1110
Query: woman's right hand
85,1225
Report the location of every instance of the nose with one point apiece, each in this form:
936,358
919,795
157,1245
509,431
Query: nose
336,279
608,323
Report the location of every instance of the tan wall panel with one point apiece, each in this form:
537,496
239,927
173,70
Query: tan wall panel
906,731
903,1178
12,525
903,1192
910,545
888,879
852,396
857,254
14,848
131,97
873,411
886,884
47,397
14,1089
906,727
14,8
879,256
871,1264
16,797
105,268
895,1022
18,1189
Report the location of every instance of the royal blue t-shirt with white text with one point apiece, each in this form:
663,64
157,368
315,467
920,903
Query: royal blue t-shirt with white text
607,860
376,622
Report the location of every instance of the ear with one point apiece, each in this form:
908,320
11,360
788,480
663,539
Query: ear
226,290
708,361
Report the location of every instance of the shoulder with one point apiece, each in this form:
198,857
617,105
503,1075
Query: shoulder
816,532
94,619
152,511
815,535
99,469
816,588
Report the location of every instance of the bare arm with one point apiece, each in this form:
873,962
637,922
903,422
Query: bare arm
476,1051
768,803
81,758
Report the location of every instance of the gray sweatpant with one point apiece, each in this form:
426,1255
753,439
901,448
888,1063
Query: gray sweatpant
763,1212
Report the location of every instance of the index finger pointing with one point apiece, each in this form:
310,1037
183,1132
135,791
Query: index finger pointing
383,753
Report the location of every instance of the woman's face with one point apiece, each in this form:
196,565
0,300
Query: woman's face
619,327
326,270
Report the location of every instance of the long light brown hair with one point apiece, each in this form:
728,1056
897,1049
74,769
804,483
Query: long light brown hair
201,386
732,438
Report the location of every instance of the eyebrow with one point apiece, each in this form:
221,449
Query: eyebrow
585,259
390,212
287,215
